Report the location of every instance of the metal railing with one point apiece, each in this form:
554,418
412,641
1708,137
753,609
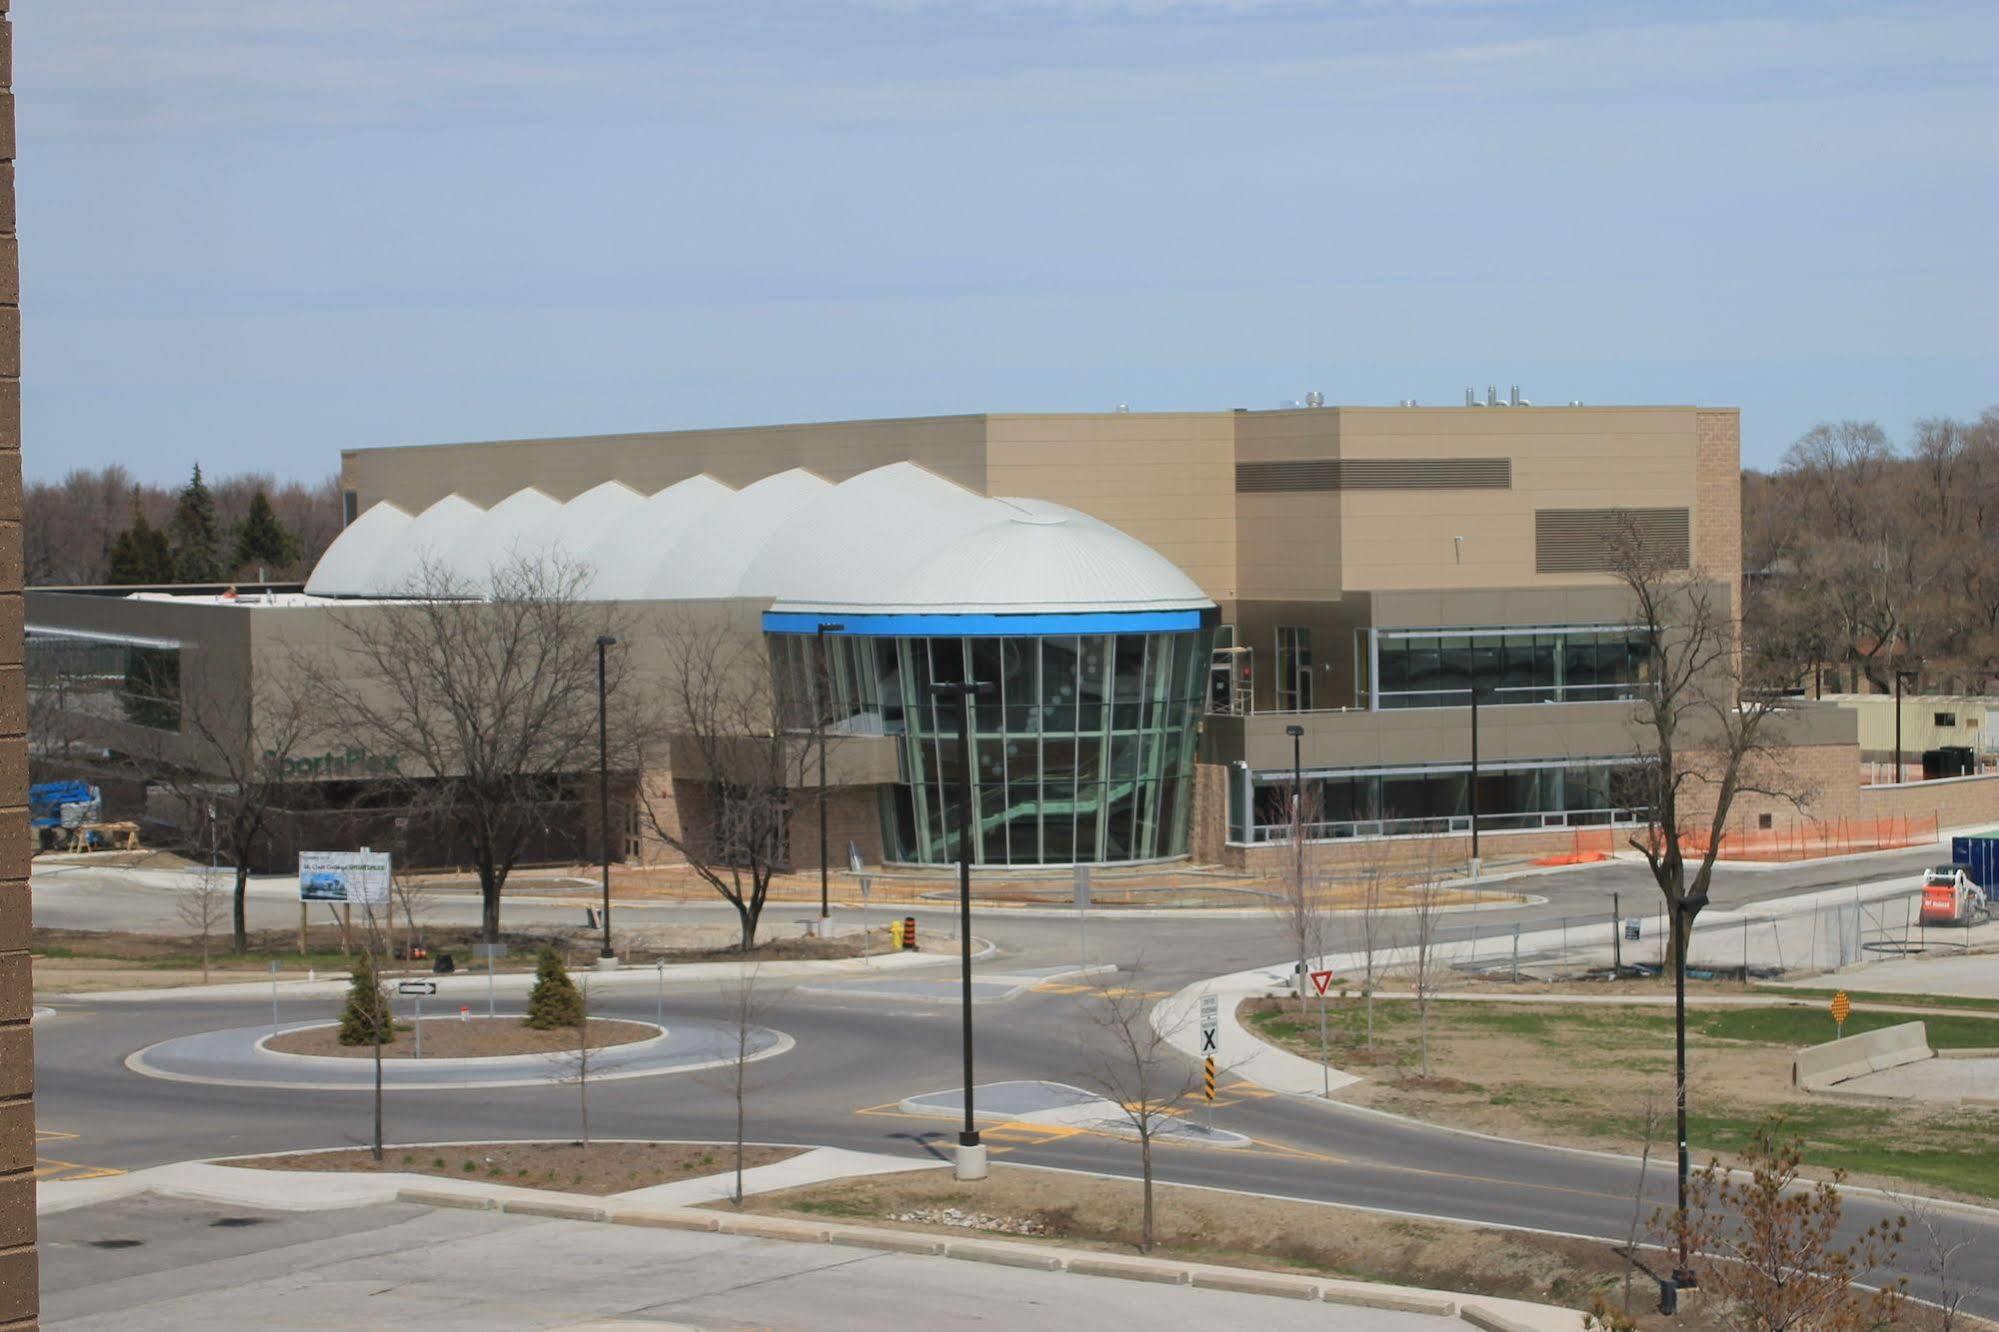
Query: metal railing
1444,825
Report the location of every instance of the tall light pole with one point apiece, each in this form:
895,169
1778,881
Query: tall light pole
971,1162
819,722
1899,674
1684,911
604,643
1297,734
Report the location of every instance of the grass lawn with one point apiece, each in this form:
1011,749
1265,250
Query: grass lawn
1583,1076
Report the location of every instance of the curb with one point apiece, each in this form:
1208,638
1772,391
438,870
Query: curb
1079,1262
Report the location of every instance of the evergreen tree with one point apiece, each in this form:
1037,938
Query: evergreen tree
367,1010
554,1001
261,539
140,554
196,542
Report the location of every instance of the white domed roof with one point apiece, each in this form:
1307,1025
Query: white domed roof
903,540
347,568
712,557
499,537
426,541
625,553
572,532
893,541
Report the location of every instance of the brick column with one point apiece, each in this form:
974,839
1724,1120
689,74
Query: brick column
18,1272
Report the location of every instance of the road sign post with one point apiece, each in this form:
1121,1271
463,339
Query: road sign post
489,951
1211,1022
417,989
274,997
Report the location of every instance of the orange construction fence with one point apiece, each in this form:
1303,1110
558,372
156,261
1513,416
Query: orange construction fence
1808,839
1590,845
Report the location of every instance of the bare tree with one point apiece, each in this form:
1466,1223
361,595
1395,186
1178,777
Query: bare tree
1423,958
1941,1244
1705,738
1638,1191
201,905
488,693
741,746
237,774
575,1067
746,1008
1132,1063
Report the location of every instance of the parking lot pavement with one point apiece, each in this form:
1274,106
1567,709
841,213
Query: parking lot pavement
168,1265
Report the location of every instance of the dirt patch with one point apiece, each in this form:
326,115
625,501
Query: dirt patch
1577,1075
463,1038
602,1168
1211,1226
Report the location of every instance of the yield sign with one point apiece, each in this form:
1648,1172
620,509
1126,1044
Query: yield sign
1321,979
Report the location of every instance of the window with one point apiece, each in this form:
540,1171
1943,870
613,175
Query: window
1294,669
1946,719
350,505
1438,668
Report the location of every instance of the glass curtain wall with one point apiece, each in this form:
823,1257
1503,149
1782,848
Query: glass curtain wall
1082,751
1423,800
1438,668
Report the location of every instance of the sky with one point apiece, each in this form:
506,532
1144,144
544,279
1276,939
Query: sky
255,232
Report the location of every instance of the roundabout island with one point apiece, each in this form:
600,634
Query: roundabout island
267,1056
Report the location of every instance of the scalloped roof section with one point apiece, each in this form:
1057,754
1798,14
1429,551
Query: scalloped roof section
426,541
714,556
901,539
625,555
347,568
893,540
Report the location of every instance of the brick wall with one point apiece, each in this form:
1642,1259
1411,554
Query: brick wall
1958,802
1718,494
18,1272
1827,777
853,814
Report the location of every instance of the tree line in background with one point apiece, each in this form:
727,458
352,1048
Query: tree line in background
101,526
1862,558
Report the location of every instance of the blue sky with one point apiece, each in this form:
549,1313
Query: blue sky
257,231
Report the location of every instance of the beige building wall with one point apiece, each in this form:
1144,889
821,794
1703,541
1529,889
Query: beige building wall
1288,545
485,473
1563,458
1166,478
1875,714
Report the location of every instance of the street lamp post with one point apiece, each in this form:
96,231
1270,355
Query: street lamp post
819,721
1683,932
604,643
971,1161
1297,734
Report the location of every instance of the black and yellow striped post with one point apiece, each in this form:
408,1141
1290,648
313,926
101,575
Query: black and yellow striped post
1208,1080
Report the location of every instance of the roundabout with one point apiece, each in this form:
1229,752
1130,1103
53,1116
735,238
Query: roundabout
243,1057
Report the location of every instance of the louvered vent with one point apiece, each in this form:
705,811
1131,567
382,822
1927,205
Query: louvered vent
1373,474
1582,540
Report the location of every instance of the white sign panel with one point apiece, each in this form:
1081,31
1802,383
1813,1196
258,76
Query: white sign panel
344,876
416,987
1211,1021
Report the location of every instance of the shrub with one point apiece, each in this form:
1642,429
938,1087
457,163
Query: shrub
554,1001
366,1017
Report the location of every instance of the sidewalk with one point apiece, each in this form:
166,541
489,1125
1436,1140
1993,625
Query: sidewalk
631,1240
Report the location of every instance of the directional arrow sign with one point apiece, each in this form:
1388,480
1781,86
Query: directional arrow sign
1321,979
1211,1021
416,987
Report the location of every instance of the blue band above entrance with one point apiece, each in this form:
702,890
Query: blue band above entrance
986,626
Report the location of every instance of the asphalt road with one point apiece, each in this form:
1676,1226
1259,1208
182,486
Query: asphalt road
856,1057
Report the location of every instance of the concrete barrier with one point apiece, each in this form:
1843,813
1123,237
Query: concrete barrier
1823,1066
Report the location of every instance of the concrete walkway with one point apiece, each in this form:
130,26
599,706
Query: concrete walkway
1969,975
498,1255
414,1267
